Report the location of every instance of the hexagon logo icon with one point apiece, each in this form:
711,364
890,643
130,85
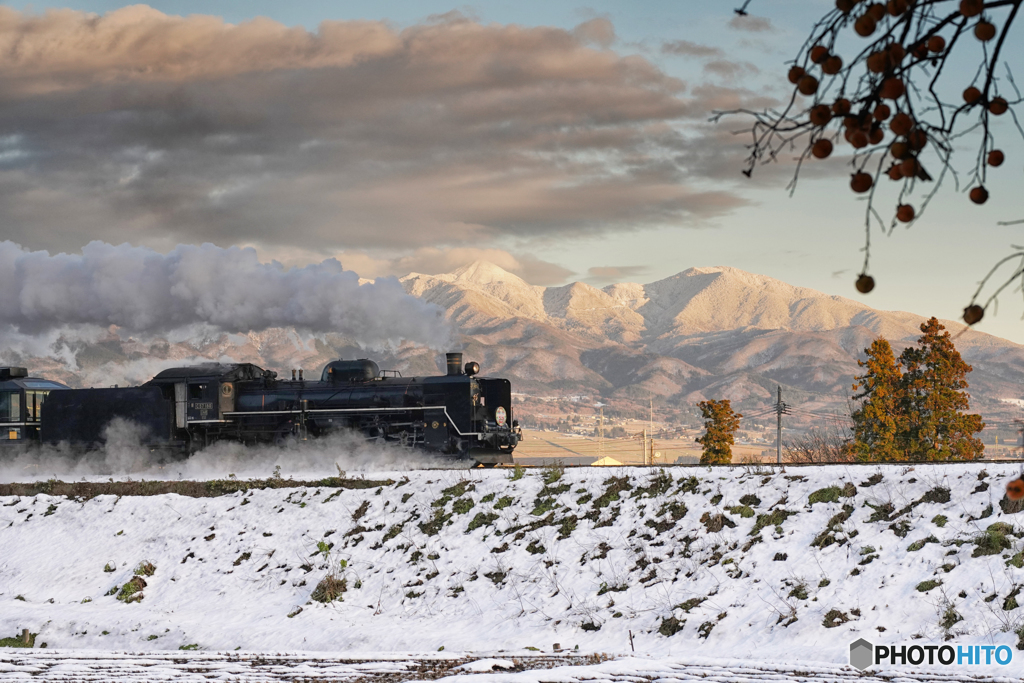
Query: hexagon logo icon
861,654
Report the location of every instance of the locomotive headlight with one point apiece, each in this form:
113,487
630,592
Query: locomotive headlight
472,368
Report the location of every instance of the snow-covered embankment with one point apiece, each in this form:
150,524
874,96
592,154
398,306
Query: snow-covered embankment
752,562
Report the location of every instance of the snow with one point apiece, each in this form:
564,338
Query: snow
69,666
564,562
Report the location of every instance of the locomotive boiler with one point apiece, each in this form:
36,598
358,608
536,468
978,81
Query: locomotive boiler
459,414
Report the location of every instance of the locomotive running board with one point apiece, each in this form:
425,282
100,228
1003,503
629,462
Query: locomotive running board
490,456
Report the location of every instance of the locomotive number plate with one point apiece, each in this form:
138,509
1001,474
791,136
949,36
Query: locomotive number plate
500,416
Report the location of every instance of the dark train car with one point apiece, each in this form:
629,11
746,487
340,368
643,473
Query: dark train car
21,405
82,417
458,414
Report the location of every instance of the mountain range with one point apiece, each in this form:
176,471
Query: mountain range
714,332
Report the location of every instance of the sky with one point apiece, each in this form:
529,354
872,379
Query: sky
560,141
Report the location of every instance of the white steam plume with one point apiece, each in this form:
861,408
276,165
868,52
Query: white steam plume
141,290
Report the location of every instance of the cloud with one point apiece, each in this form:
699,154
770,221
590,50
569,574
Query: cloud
685,47
597,31
730,70
609,274
751,24
172,130
229,290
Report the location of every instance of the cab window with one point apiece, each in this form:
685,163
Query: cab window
34,405
10,406
195,391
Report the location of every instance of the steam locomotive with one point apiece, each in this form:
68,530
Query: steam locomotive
181,410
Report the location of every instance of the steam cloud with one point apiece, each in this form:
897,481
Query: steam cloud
123,457
144,291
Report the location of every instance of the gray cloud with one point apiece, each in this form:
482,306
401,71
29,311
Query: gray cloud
751,24
685,47
730,70
166,130
140,290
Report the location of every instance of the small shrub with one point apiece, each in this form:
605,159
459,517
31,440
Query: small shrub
939,494
776,518
926,586
241,558
132,591
750,500
715,523
671,626
496,577
488,498
109,567
901,528
993,540
948,617
917,545
1016,561
145,569
590,626
825,495
189,647
329,589
518,472
704,630
481,519
872,480
1010,603
462,505
823,583
535,548
799,591
394,531
19,641
834,618
360,511
504,502
743,511
552,473
688,605
939,520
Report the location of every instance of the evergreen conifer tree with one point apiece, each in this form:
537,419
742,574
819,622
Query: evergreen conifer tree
880,421
720,423
934,381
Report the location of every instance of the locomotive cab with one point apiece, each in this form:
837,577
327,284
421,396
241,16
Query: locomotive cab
21,404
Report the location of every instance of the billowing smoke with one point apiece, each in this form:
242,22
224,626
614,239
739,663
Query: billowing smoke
144,291
124,457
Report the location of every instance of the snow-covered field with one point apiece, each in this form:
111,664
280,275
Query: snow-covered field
778,568
71,666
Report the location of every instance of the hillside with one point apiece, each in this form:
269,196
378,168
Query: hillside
755,563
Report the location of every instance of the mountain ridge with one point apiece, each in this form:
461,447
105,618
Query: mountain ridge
706,332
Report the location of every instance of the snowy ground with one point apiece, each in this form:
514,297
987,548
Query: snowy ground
474,561
69,667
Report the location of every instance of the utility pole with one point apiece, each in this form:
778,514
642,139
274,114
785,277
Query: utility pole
780,409
600,436
651,445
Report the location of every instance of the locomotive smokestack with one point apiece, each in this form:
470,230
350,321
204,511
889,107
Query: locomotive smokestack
454,363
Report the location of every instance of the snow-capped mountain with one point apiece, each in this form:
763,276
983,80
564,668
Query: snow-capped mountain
702,333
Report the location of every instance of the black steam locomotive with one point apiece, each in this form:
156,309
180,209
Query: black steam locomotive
184,409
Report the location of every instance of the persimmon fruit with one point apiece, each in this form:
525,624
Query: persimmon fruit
861,182
973,314
821,149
